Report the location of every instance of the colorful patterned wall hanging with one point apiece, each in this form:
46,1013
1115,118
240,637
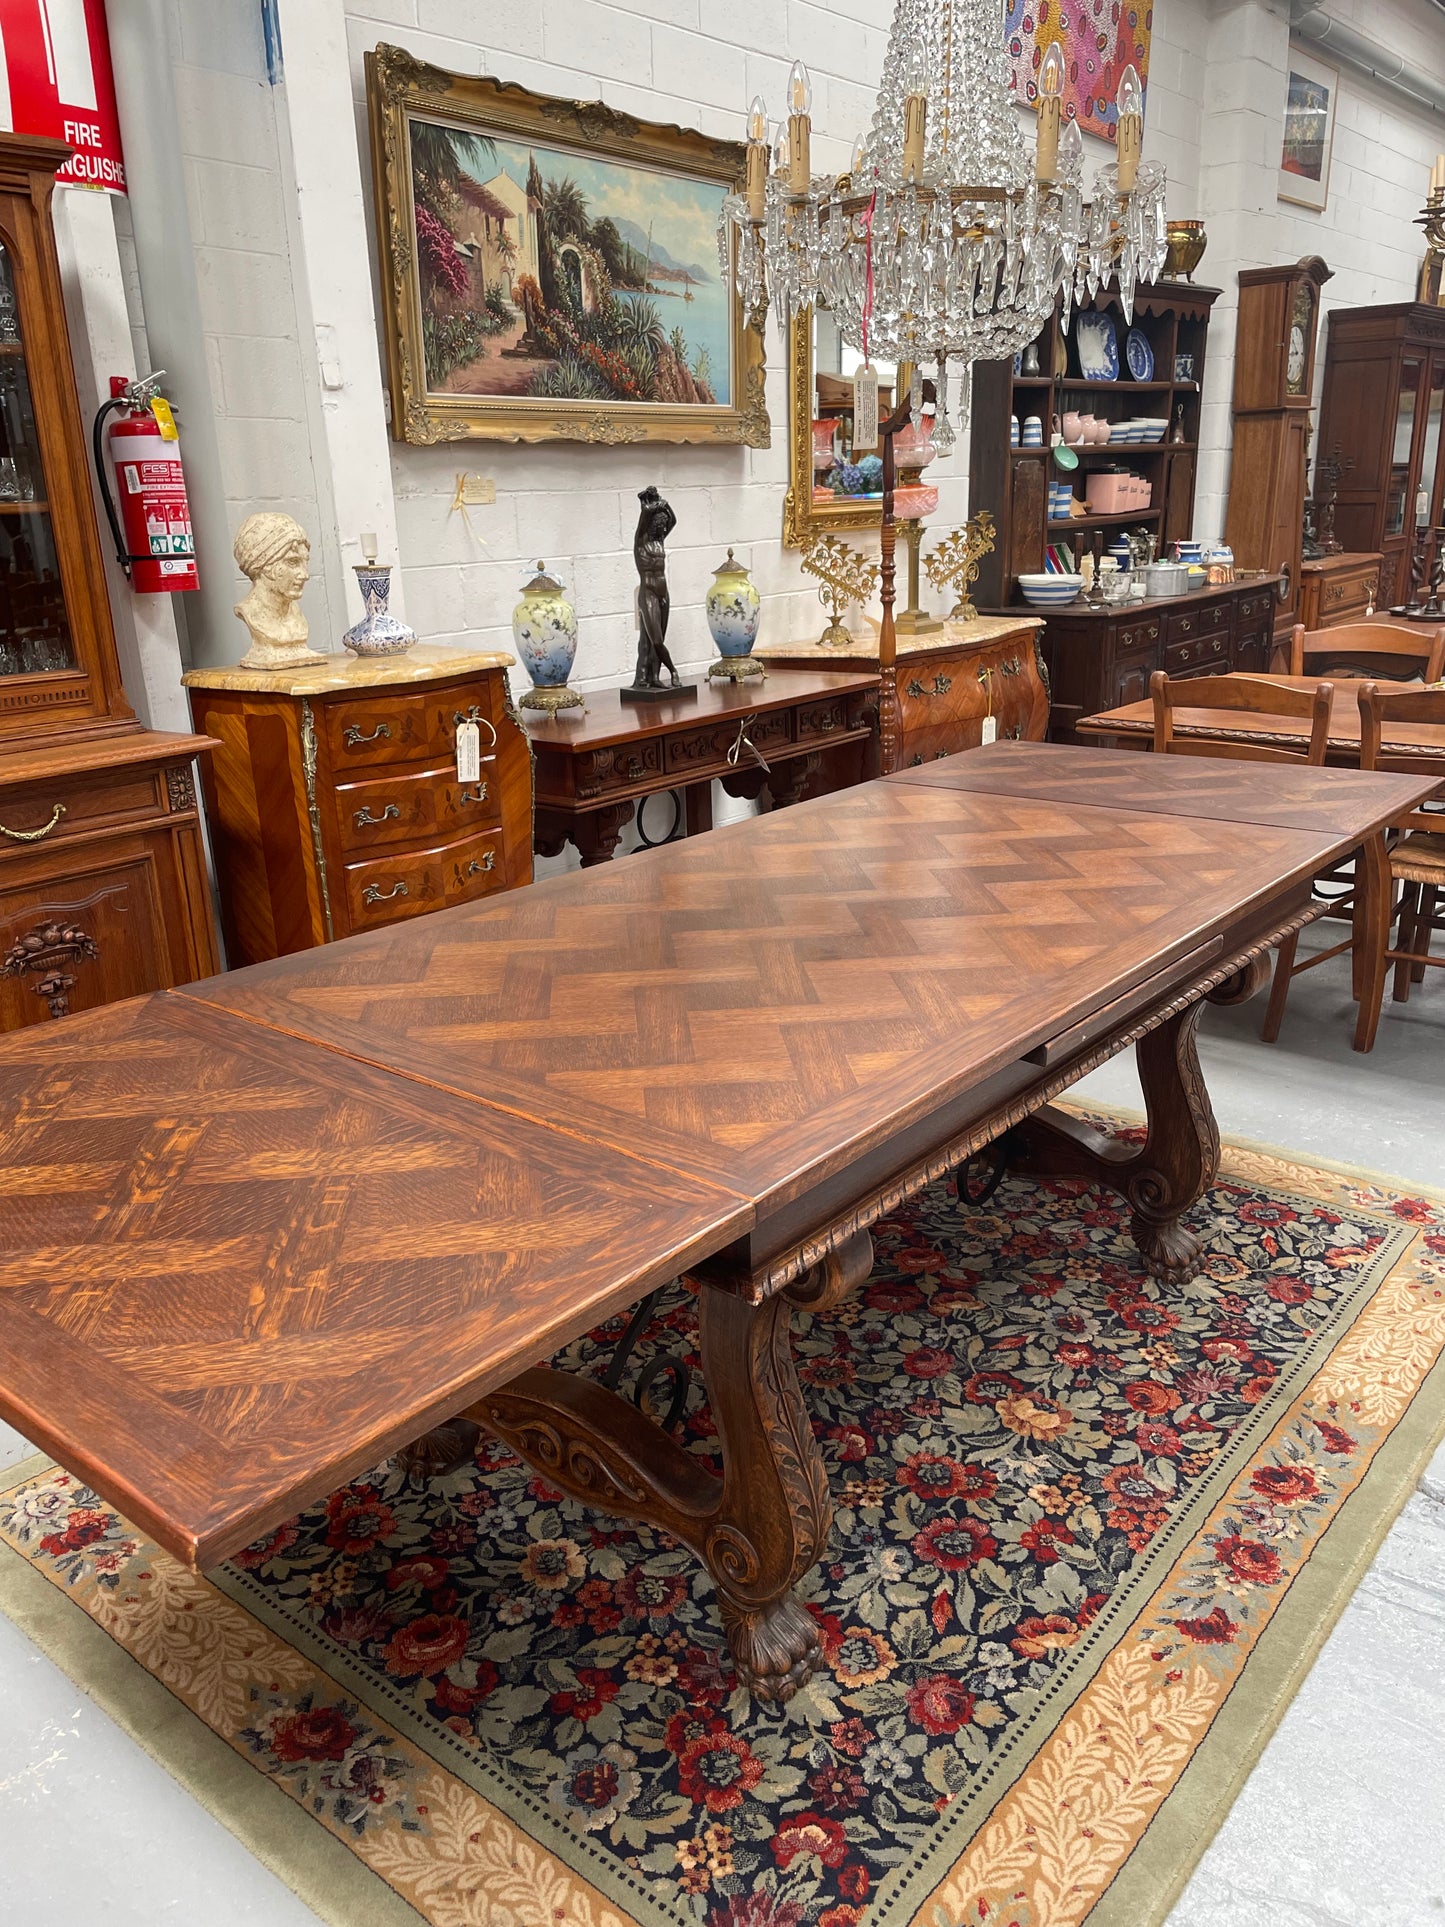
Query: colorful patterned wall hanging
1099,39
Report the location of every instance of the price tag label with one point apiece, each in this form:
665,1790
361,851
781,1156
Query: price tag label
990,729
469,753
865,408
165,420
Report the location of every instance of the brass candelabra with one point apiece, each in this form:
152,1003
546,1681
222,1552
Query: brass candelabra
955,563
845,577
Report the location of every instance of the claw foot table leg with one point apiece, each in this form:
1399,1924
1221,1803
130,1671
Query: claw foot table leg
1165,1175
757,1529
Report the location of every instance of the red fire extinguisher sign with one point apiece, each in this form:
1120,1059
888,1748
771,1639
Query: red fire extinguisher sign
143,449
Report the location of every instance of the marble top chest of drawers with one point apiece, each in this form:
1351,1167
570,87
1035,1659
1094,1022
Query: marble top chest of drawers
334,800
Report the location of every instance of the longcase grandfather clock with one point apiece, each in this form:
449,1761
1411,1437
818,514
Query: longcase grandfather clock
1274,367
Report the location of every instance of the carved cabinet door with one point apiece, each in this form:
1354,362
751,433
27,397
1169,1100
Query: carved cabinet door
83,932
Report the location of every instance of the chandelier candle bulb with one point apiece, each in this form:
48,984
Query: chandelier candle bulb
800,128
1131,129
757,158
915,124
943,243
1051,90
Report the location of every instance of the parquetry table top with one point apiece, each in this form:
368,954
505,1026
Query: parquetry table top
754,1006
256,1234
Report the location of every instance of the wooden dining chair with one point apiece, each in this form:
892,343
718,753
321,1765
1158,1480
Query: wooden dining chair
1250,695
1255,695
1416,860
1396,650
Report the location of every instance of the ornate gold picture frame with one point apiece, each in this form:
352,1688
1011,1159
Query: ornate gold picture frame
549,268
810,510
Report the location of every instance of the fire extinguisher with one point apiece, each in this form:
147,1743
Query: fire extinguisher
153,539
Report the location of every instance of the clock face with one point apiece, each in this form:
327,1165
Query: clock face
1295,365
1301,334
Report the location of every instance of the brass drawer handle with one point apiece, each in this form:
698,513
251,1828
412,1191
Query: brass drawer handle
373,893
364,820
477,795
1186,626
35,836
474,715
353,734
487,862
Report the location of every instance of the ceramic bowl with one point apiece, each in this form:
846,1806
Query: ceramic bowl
1050,591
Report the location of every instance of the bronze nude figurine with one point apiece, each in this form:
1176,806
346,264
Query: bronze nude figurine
654,525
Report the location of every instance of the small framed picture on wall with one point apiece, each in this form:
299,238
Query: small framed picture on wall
1309,131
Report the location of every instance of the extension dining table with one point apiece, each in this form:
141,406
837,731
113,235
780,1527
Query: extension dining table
262,1232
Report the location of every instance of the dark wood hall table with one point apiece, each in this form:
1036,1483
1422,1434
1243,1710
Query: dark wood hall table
595,766
259,1233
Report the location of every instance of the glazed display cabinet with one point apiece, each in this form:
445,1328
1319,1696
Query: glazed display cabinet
1381,413
102,877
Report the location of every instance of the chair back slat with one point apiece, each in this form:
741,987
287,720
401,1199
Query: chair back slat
1356,649
1381,707
1247,695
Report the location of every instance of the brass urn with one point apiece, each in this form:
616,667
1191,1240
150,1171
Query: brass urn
1187,242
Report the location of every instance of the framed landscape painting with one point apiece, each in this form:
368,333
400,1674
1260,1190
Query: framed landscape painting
1309,131
549,268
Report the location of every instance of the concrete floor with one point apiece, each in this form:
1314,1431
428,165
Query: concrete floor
1339,1823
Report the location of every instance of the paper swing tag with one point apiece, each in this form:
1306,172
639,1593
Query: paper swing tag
865,408
469,753
165,420
990,729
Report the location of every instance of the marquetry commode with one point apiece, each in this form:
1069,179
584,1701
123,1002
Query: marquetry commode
334,801
949,682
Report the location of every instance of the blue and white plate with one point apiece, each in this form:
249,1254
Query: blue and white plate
1139,355
1098,346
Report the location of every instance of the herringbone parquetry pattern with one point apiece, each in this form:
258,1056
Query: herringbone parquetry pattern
239,1265
255,1257
742,1006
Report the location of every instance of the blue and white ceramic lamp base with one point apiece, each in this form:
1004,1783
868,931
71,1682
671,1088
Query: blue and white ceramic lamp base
544,630
734,609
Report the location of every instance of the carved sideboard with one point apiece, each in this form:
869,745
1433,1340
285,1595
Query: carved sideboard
334,799
596,766
103,890
949,682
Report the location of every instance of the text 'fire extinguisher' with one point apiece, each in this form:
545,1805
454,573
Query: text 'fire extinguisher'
141,448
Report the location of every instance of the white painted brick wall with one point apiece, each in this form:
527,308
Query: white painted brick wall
1215,110
235,187
577,507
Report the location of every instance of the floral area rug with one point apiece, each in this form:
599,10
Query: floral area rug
1089,1534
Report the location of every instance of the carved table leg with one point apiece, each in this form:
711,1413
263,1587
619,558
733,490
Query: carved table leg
1176,1163
789,780
446,1448
758,1529
598,833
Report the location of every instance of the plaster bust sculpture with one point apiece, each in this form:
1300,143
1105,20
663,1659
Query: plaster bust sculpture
274,552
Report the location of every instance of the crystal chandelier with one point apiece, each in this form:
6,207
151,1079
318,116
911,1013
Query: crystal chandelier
946,242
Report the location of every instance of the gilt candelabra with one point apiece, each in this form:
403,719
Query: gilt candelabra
845,577
955,563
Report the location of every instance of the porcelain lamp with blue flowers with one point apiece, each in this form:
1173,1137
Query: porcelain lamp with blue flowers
734,609
544,628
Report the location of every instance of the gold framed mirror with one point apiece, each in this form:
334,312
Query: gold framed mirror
821,370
